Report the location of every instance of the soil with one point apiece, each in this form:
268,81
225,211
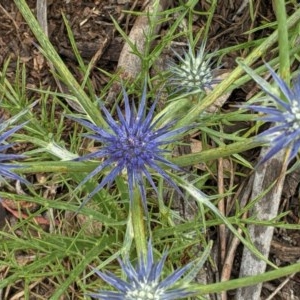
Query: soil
98,41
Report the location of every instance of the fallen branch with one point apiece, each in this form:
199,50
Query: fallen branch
273,171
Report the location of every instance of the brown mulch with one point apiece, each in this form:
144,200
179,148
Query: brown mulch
97,40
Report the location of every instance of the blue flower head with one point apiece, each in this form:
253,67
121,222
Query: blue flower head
193,74
5,169
286,131
133,144
143,282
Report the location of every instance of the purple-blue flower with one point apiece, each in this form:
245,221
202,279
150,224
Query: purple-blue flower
285,115
193,73
131,143
5,169
144,281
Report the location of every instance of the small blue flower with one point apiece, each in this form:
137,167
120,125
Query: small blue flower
193,74
143,282
133,144
5,169
286,131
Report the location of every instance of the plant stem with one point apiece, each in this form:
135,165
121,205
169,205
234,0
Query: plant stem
283,40
246,281
138,225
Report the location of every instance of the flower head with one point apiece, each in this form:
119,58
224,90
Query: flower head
143,282
5,169
286,131
193,74
131,143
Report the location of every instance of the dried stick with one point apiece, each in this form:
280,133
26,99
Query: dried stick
265,209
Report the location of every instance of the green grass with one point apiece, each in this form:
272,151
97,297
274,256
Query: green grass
59,257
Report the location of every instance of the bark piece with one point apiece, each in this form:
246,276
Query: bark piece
265,209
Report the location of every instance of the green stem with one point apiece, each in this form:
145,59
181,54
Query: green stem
138,225
211,154
55,167
183,161
283,40
246,281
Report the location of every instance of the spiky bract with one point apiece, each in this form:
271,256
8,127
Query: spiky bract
285,115
193,73
143,282
133,144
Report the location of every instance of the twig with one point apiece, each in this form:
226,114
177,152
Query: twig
280,287
230,255
222,227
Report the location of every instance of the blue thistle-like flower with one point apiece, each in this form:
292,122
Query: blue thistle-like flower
5,169
131,143
193,74
143,282
286,131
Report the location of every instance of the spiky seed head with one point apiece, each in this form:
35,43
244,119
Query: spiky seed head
193,73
